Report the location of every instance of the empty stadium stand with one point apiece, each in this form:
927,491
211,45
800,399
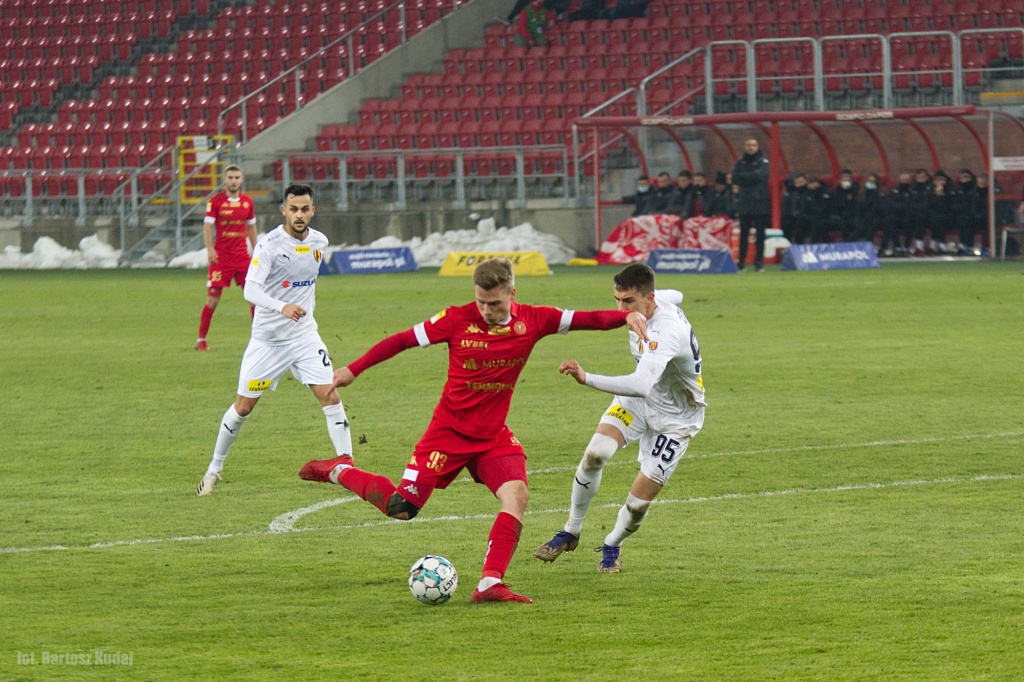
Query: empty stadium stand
107,85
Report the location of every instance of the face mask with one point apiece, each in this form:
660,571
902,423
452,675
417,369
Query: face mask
845,184
642,190
870,185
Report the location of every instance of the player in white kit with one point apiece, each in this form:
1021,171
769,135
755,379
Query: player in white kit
281,284
661,404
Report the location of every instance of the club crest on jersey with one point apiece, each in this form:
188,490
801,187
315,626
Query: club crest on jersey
519,327
317,255
302,249
653,345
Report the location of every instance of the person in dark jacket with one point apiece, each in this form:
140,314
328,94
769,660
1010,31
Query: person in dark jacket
719,199
845,208
794,220
871,212
664,195
682,201
642,199
754,202
817,206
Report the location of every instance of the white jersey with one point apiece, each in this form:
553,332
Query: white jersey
284,270
668,372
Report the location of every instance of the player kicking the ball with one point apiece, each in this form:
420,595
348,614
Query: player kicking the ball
282,285
661,404
489,341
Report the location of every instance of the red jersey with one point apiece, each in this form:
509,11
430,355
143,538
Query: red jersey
230,219
484,362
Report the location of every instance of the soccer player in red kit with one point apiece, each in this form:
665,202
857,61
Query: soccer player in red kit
489,342
231,215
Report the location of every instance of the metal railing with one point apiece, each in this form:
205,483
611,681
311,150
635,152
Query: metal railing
296,72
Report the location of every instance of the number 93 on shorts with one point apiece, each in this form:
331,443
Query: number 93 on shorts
264,364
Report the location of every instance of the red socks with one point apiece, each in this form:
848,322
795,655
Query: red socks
501,545
204,321
373,488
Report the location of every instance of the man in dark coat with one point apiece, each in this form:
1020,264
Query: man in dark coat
754,202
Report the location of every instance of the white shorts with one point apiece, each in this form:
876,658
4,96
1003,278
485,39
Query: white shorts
663,437
263,364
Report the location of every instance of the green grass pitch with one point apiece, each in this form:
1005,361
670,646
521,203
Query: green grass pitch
851,510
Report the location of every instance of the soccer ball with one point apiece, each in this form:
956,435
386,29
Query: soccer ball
433,579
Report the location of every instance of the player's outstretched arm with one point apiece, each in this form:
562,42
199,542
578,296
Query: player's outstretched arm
637,324
609,319
343,377
381,351
573,369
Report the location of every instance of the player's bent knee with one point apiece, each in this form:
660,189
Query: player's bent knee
401,508
599,451
636,507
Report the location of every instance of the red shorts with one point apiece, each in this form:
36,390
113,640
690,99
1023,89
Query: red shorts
221,274
443,453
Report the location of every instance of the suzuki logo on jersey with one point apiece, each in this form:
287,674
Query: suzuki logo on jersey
304,283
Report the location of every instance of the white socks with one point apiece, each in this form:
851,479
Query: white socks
631,515
230,425
337,427
588,479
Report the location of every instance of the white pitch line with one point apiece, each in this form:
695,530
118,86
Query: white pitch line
465,517
285,523
802,448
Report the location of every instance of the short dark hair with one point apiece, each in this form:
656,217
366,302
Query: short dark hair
494,272
637,276
298,190
685,174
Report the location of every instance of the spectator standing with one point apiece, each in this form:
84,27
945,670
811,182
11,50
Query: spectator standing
919,203
871,212
751,175
844,205
533,25
897,211
794,217
817,207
